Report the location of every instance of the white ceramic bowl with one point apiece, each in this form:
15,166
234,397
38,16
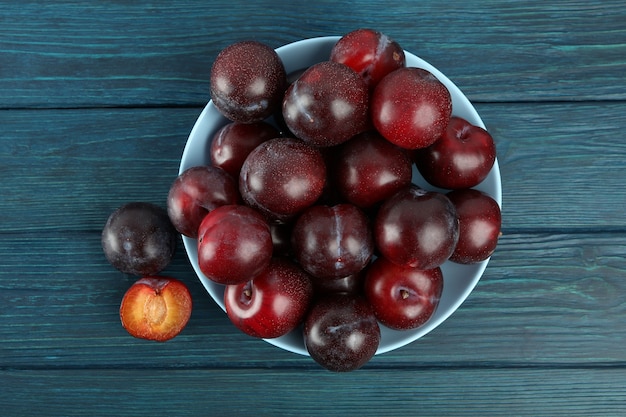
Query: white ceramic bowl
459,280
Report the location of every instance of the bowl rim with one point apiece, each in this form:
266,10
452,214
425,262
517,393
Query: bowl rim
291,54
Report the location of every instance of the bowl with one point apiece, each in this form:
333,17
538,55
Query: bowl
459,280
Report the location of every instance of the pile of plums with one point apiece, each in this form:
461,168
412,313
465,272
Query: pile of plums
307,213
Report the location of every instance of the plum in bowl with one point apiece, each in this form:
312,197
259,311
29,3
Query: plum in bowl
459,279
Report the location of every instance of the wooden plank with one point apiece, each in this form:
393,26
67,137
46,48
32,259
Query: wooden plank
68,54
270,392
542,333
544,299
560,164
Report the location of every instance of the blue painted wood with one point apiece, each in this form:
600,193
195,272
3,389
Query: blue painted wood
96,102
560,168
564,307
67,54
270,392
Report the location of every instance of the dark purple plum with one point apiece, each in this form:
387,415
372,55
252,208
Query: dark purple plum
332,242
327,105
233,142
248,81
282,177
197,191
370,169
139,239
480,222
341,332
417,228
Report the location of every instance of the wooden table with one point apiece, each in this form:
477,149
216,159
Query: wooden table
96,102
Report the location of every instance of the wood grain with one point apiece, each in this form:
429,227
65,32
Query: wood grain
69,54
96,102
559,162
232,392
544,298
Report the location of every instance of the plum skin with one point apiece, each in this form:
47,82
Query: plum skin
461,158
370,169
233,142
327,105
139,239
341,332
248,81
417,228
282,177
234,244
411,107
271,304
403,298
197,191
370,53
480,223
332,242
